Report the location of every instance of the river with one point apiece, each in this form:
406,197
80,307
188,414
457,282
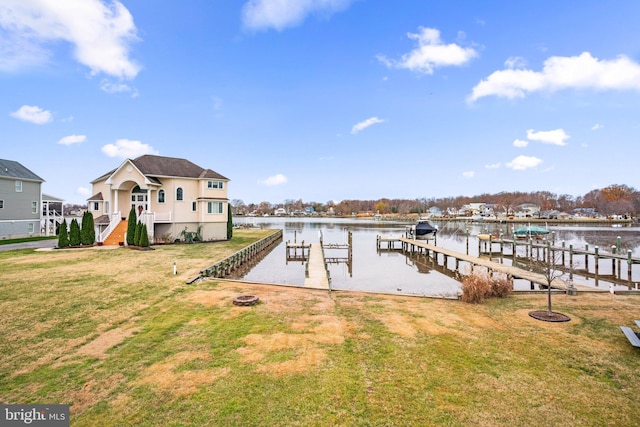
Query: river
396,273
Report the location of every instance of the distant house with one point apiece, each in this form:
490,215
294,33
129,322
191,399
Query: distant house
527,210
20,201
280,212
169,195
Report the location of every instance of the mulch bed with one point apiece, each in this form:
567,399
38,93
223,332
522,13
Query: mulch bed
546,316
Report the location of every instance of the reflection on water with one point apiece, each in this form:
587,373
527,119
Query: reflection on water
394,272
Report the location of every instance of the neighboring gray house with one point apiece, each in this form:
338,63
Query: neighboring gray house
20,200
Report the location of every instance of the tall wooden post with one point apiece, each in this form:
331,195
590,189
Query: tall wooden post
467,232
595,257
586,257
571,261
629,264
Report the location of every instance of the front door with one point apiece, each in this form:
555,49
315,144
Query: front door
140,200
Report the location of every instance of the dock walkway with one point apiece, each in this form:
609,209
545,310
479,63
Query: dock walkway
511,271
317,275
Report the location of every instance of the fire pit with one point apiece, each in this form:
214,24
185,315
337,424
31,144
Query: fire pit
246,300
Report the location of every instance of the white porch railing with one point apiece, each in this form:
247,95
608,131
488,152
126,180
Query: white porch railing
50,222
113,223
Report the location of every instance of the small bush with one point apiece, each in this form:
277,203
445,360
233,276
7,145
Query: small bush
144,237
479,286
476,288
501,287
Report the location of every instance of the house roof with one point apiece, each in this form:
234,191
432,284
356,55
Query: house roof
96,197
171,166
49,198
102,219
11,169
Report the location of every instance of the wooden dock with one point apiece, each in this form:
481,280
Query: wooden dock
435,252
317,275
546,249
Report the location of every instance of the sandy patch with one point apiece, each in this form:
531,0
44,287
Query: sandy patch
99,346
166,376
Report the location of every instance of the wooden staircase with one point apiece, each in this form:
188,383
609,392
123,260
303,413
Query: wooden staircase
117,235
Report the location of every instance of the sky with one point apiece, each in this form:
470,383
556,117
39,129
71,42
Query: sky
326,100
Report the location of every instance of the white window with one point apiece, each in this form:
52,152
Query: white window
30,228
179,194
18,186
96,206
215,184
34,207
161,196
214,207
106,206
194,206
1,204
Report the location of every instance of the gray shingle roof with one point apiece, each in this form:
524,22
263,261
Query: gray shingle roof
11,169
170,166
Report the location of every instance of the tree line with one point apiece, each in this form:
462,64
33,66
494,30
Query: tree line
612,200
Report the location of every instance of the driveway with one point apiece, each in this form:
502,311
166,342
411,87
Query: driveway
30,245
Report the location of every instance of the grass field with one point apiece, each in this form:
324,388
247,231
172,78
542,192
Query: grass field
122,340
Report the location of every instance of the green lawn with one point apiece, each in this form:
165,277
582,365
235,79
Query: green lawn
26,239
115,334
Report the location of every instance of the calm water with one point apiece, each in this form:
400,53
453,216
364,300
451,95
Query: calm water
394,272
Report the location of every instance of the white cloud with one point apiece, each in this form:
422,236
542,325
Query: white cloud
520,143
33,114
277,179
430,53
597,126
468,174
72,139
561,72
555,137
493,166
83,191
99,32
515,62
111,87
524,162
280,14
128,149
365,124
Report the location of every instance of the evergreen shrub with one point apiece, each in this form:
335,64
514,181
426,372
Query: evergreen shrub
131,226
63,235
74,233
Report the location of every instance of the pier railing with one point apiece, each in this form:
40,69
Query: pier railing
225,267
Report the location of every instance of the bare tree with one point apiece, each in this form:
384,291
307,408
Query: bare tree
551,268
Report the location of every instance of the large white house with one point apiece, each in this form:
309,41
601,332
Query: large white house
170,196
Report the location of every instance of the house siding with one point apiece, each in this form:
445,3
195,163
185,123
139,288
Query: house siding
17,213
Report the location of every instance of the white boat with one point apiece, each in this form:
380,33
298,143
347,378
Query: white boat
424,230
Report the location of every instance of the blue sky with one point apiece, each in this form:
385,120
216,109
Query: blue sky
326,99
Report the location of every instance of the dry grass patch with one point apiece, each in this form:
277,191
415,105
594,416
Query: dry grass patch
166,376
